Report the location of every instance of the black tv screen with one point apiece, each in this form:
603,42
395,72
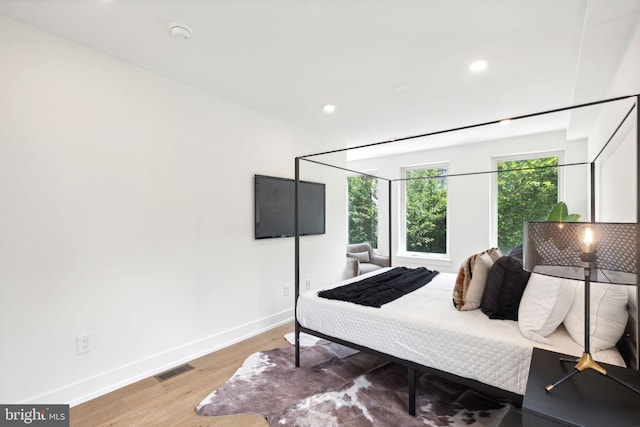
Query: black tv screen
275,211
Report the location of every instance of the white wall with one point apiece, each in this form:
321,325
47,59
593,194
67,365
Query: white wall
126,213
616,177
616,169
470,197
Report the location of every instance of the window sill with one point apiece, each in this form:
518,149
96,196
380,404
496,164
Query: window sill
441,260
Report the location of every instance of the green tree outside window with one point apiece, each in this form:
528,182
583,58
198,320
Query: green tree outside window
363,209
426,210
527,191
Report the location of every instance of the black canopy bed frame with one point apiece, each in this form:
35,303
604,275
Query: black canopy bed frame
629,343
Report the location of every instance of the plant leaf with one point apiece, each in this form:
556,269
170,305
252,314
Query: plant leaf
572,218
559,212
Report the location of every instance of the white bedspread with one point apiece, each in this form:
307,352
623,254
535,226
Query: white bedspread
424,327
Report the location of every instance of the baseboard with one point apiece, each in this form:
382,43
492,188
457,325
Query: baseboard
96,386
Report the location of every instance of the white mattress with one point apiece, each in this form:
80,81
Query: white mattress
425,327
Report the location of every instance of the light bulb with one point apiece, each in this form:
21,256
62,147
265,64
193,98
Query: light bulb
588,238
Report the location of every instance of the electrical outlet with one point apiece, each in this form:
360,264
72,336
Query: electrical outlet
84,345
308,283
285,290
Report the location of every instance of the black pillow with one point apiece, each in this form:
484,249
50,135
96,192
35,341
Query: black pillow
516,252
505,285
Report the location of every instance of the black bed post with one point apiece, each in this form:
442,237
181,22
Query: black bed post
297,262
412,391
389,227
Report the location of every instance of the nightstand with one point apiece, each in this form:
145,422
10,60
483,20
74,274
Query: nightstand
587,399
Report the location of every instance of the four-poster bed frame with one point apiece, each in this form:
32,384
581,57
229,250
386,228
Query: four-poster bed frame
629,344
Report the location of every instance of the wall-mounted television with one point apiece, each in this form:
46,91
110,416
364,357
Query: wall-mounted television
275,211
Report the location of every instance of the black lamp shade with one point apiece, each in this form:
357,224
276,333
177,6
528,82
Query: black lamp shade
553,249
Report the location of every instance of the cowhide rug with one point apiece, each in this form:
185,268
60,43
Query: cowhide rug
336,386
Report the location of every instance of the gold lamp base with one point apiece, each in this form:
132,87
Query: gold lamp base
587,362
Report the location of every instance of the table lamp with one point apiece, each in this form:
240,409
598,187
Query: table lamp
590,252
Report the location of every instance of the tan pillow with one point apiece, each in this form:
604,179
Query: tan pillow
494,253
472,278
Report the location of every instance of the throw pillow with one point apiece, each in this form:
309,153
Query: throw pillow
544,305
469,286
517,252
494,253
360,256
608,315
505,285
472,295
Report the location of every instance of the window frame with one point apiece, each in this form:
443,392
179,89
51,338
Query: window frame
402,215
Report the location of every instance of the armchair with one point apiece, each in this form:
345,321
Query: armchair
361,259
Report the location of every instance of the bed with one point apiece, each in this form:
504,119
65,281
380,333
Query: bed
425,332
425,328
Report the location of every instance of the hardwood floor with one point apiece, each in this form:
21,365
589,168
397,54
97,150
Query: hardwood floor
172,402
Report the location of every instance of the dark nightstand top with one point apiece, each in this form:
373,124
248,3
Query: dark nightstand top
586,399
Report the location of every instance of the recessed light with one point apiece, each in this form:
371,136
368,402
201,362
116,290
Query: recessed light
180,31
329,108
479,65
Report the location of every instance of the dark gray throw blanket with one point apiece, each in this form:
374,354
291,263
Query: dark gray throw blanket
380,289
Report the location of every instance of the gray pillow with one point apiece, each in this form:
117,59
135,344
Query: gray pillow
360,256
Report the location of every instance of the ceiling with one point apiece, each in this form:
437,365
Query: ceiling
392,68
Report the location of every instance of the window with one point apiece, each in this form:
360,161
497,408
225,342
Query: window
527,189
425,209
363,209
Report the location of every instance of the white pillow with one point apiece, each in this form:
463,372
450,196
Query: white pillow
608,315
544,305
481,267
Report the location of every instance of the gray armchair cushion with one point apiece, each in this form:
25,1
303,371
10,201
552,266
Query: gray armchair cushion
366,267
359,247
360,256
